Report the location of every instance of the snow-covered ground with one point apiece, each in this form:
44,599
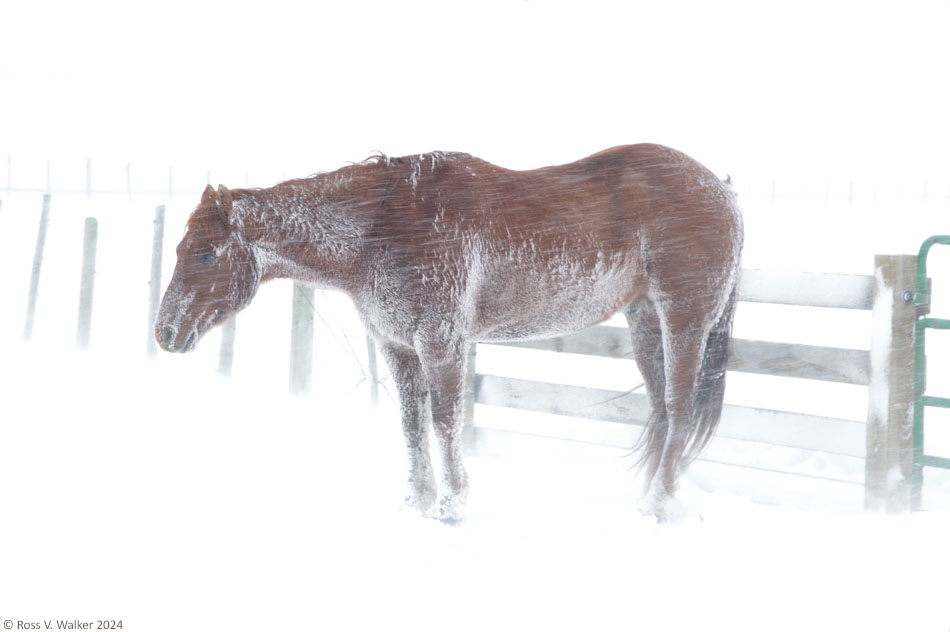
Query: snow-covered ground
154,492
172,500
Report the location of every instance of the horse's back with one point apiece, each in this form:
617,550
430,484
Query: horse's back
523,254
616,189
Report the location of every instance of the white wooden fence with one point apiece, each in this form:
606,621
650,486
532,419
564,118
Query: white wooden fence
884,441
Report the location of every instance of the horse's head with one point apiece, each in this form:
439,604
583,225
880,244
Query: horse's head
215,277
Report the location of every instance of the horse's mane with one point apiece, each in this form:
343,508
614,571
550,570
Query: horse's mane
376,159
379,158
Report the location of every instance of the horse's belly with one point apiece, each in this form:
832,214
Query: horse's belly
545,311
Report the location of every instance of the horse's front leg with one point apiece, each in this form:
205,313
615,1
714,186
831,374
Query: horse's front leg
443,363
406,371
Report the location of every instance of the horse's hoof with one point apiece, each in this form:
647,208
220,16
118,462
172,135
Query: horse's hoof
447,510
667,511
649,506
422,501
656,502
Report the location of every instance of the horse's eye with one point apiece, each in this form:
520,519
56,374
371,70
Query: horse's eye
208,258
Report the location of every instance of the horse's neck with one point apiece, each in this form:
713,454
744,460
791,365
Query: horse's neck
302,230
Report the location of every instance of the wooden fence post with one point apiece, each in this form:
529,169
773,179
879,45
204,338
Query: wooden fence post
891,392
37,265
155,280
468,407
373,371
301,341
226,353
88,282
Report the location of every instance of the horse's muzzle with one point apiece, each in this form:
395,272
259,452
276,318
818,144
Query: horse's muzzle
167,338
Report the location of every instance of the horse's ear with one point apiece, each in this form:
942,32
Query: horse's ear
208,195
218,204
226,203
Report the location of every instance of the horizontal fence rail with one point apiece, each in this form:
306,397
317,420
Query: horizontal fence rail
793,430
830,364
807,289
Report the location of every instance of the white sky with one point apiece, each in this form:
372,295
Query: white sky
823,89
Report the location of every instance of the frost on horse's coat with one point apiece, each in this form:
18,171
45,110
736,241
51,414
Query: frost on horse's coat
441,250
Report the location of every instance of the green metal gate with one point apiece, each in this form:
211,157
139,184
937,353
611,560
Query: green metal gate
921,400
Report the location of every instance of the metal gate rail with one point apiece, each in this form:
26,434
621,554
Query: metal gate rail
922,298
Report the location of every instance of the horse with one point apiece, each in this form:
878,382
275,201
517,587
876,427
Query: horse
442,250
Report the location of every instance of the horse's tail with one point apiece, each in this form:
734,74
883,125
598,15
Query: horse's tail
711,382
707,394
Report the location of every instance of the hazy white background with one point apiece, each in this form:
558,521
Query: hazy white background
153,492
813,88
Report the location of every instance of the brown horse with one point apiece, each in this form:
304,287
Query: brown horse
442,250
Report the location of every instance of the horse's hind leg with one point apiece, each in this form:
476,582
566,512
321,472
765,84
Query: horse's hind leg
686,326
443,363
406,370
647,335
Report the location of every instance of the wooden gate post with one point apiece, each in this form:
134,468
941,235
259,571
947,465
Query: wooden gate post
891,392
155,280
37,266
301,341
88,283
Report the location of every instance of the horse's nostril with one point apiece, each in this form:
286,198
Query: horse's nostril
167,335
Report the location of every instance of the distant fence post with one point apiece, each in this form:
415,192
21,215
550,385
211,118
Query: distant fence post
155,280
301,341
226,353
37,265
373,371
891,393
88,282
